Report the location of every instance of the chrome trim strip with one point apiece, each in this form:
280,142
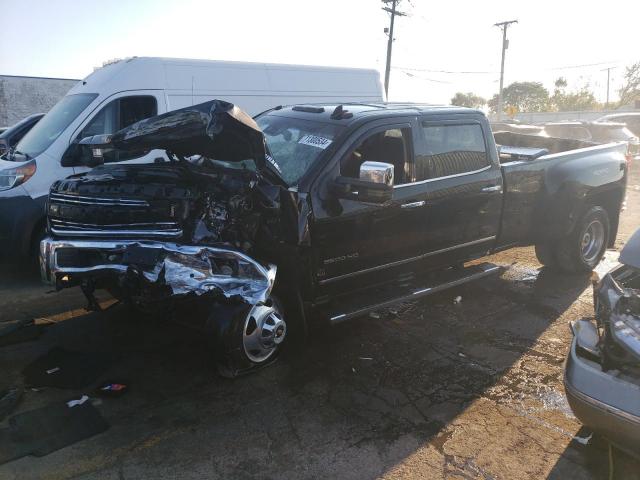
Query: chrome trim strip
443,178
63,223
117,233
406,260
418,292
60,197
421,203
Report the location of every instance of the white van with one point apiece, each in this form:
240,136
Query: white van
126,91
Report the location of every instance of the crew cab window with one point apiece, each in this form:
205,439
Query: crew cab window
451,150
388,146
116,115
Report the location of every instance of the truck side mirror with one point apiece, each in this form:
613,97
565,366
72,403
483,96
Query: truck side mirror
375,184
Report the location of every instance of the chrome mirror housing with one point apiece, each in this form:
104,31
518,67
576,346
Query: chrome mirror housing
377,172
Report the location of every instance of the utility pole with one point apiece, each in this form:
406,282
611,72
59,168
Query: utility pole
608,69
393,13
505,45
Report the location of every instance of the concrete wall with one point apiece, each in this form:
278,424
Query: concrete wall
23,96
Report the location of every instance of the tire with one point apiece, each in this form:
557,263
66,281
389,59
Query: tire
584,247
546,255
252,338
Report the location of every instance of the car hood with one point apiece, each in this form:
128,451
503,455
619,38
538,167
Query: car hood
630,254
214,129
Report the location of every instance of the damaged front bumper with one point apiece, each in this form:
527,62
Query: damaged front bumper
606,401
178,269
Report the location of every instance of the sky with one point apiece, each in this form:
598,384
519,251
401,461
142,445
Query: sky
434,44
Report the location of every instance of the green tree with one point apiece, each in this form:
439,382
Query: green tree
468,99
564,101
523,96
630,90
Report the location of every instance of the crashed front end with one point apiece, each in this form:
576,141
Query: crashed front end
166,269
602,372
208,224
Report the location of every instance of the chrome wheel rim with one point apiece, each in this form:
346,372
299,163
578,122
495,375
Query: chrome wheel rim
264,330
592,241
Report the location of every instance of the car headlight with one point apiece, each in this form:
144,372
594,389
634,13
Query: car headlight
12,177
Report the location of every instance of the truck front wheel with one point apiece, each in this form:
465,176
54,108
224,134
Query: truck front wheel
252,338
583,248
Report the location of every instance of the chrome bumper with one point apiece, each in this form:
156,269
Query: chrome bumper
184,268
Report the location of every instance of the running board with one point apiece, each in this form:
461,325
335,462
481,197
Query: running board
389,295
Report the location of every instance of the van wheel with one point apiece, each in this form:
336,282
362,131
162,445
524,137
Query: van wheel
584,247
546,255
253,339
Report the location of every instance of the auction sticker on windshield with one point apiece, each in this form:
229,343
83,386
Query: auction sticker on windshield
315,141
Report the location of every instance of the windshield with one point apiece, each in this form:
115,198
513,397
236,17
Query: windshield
295,144
54,123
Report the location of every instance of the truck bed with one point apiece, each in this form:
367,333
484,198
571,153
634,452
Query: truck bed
543,195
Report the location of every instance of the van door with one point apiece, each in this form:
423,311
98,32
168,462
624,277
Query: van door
117,112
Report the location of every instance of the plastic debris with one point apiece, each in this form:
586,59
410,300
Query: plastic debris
365,358
53,370
583,440
374,315
112,389
75,403
457,300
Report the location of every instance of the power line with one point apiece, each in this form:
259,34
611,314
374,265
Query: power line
446,71
412,75
393,13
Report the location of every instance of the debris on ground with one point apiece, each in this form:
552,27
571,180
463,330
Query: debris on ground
61,368
112,389
9,399
47,429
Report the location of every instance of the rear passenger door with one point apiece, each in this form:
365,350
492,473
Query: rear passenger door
463,183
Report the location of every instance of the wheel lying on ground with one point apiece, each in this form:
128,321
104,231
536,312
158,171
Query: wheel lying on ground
582,249
252,338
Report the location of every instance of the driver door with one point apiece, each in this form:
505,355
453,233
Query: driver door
359,243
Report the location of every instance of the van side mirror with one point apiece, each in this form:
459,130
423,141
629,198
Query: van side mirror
375,184
98,146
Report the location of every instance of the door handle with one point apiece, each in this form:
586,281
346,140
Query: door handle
421,203
495,188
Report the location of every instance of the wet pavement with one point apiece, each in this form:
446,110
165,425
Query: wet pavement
431,389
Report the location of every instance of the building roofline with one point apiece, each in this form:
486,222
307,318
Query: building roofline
41,78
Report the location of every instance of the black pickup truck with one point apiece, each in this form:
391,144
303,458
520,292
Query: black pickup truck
313,214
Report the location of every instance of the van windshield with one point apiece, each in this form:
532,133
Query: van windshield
295,144
45,132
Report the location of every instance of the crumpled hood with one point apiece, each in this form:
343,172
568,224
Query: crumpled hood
214,129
